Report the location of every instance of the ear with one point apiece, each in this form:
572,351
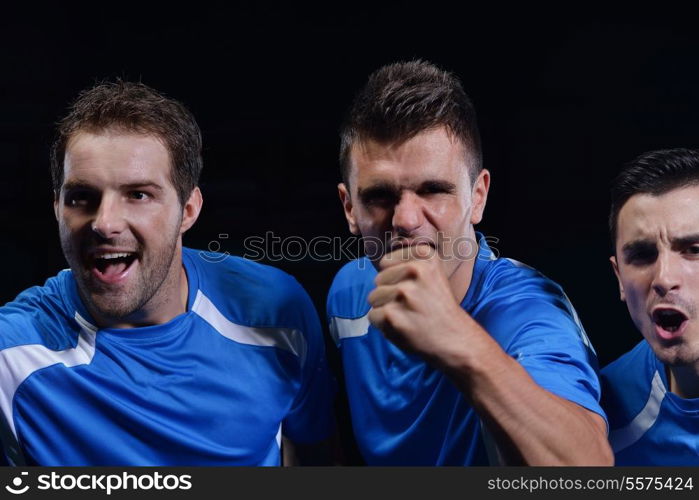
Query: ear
191,210
56,197
479,196
615,266
346,201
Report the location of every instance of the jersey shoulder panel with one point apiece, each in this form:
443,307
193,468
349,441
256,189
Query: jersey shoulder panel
503,276
251,294
350,288
510,296
41,315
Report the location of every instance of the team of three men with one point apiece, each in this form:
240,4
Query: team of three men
146,353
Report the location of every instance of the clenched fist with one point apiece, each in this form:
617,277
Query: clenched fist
415,308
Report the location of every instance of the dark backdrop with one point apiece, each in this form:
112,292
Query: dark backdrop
564,98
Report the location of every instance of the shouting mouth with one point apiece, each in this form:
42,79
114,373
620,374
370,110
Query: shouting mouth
112,267
669,322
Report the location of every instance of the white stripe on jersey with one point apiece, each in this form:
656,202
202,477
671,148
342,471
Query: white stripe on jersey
288,339
23,360
342,328
626,436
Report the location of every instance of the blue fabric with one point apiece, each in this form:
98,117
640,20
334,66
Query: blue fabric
180,393
404,412
669,436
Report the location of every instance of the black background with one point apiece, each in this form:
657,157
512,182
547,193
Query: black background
564,97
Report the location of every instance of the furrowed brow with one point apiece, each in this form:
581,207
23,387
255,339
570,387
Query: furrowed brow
683,241
380,190
437,185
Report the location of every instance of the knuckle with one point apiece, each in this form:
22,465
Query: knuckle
413,270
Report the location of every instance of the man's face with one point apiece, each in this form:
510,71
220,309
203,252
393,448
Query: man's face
120,221
412,192
657,265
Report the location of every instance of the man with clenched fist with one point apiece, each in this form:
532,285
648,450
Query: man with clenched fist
451,355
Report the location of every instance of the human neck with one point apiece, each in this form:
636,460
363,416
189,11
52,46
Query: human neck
684,381
460,278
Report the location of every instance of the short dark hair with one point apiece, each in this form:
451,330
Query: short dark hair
401,100
654,173
134,107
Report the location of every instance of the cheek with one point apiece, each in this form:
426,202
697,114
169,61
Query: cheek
636,298
450,217
68,227
373,220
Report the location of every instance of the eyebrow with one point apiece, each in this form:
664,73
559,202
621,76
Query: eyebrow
142,184
382,189
686,240
81,184
646,244
378,190
437,185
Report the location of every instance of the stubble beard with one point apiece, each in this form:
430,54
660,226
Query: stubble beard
114,304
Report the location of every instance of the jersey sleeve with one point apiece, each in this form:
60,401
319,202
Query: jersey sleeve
311,417
546,338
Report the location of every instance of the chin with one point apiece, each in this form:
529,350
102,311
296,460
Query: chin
677,354
111,307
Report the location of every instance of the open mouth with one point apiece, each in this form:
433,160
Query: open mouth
112,267
669,322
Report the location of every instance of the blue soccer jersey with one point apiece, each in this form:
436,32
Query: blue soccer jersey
217,385
649,425
404,412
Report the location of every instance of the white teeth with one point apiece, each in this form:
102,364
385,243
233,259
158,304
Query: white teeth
113,255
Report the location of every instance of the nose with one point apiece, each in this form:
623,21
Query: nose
667,273
109,218
407,214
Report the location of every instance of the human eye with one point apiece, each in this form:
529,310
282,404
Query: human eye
138,195
692,250
79,198
379,198
435,187
641,256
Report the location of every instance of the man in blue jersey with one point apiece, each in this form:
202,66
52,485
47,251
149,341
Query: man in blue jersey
145,352
651,393
451,355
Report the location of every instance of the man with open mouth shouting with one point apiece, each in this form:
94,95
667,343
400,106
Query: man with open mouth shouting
651,394
145,352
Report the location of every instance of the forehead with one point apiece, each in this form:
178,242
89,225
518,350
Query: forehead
115,155
671,214
430,154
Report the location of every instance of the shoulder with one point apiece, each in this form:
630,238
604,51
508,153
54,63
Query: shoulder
348,293
511,298
627,384
40,315
504,275
250,293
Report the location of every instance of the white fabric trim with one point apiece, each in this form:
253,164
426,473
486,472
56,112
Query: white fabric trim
288,339
626,436
342,328
23,360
